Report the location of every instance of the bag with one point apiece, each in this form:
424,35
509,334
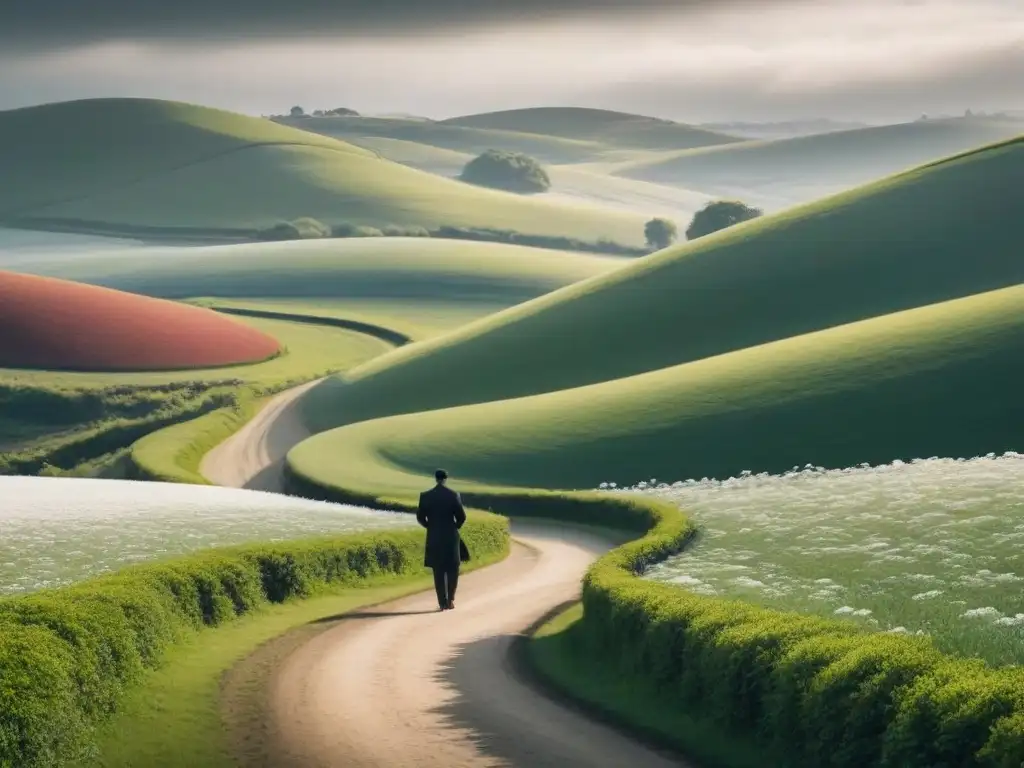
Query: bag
463,552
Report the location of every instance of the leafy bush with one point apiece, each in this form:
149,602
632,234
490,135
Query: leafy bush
799,689
660,233
719,214
510,171
67,655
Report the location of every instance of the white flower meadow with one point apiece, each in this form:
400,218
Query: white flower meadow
933,546
57,530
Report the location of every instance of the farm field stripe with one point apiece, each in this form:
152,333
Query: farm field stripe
61,325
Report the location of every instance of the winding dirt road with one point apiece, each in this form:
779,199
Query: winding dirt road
406,685
253,457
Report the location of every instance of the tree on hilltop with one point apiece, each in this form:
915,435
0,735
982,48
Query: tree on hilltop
510,171
298,112
720,214
660,233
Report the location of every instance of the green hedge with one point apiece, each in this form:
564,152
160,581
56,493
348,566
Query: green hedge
803,690
174,454
67,655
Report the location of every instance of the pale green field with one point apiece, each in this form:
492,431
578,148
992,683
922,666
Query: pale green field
473,141
569,182
392,269
310,351
782,172
417,319
617,129
220,171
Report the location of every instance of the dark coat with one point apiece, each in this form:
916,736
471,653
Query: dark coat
440,512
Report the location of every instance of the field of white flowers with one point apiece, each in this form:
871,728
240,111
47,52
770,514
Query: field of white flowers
57,530
933,546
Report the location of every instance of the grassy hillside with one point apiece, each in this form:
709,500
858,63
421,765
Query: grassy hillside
457,138
142,164
416,319
65,151
938,233
936,380
786,171
393,269
618,129
569,182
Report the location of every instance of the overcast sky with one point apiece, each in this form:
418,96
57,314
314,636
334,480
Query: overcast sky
692,60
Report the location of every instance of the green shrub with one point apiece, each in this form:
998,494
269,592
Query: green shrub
67,655
510,171
719,214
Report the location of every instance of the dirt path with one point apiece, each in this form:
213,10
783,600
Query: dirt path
404,684
407,685
253,457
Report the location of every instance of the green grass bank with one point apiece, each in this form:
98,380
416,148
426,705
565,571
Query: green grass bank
69,657
792,689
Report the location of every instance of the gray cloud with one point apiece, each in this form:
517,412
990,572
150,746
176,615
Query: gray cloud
698,61
53,23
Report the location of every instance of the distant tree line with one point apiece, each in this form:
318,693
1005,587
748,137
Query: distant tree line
336,112
307,229
658,232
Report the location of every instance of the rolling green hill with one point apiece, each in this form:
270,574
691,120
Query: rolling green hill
569,181
457,138
133,164
393,269
70,150
786,171
938,233
617,129
936,380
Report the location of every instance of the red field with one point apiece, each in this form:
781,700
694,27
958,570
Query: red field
60,325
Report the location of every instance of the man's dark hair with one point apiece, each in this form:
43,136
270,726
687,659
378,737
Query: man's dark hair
440,475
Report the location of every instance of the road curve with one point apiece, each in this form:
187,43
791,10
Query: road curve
406,685
253,457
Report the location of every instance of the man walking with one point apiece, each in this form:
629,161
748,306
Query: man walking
440,512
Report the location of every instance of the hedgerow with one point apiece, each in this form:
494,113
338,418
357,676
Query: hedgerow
68,655
801,689
810,691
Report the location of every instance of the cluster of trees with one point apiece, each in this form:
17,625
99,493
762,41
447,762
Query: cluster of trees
658,232
336,112
716,215
509,171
